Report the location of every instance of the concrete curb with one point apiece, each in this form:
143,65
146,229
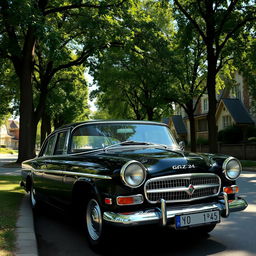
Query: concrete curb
249,169
26,243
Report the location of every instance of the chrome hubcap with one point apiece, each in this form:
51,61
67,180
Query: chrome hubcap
94,219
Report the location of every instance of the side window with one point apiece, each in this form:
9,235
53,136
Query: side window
48,150
61,145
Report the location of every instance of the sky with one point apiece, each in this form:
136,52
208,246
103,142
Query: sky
92,86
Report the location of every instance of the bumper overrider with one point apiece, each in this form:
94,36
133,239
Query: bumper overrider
165,215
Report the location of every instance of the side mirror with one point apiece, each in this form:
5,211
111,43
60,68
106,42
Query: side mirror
182,145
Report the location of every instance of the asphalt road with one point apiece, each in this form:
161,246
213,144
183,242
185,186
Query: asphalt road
235,236
6,159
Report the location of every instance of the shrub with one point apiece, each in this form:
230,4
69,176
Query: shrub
252,139
201,141
231,134
251,131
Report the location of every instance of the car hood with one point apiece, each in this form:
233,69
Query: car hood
158,161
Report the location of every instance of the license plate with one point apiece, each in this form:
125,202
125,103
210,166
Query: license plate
197,218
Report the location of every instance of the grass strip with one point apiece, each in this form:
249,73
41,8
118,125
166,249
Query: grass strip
248,163
8,151
10,199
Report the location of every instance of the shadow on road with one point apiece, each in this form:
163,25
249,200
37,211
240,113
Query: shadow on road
59,234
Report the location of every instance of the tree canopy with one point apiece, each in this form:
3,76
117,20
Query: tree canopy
132,78
144,55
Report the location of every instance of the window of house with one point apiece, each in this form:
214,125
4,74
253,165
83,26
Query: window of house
205,105
226,120
236,92
202,125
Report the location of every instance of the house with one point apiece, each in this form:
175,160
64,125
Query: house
232,111
177,126
9,134
234,108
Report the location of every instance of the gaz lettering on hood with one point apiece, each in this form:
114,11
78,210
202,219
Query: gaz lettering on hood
183,166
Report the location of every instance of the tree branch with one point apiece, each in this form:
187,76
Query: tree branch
199,97
232,32
189,17
226,15
56,83
77,6
220,66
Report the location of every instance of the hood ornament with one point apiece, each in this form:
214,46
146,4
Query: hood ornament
191,190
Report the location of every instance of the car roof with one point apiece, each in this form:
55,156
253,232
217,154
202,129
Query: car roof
73,125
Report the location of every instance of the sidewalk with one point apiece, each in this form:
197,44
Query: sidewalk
26,244
5,159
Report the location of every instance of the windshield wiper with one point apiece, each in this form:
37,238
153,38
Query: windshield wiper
132,142
153,145
124,143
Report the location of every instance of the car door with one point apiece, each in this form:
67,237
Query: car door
40,165
56,166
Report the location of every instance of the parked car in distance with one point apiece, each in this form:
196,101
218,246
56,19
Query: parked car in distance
129,173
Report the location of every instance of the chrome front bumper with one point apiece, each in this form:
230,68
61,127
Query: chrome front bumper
166,213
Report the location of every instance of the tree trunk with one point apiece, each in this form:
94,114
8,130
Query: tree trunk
150,113
27,135
211,76
212,127
45,127
192,131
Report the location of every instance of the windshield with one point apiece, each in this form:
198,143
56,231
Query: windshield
97,136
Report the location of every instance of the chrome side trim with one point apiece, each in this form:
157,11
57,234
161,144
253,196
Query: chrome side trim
153,216
88,175
49,171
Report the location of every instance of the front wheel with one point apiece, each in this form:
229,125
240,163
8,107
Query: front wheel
96,230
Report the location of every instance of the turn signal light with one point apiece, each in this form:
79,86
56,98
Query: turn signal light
129,200
231,190
108,201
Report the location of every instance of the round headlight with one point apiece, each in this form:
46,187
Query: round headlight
133,174
232,168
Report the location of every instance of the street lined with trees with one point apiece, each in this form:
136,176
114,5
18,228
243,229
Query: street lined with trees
143,55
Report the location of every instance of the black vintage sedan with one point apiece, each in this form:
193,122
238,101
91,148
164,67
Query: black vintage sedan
128,173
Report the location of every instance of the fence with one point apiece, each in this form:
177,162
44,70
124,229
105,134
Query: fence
241,151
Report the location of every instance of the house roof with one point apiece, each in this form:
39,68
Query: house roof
179,124
13,125
238,111
166,120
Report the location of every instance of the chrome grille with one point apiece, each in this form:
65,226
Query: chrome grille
182,187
